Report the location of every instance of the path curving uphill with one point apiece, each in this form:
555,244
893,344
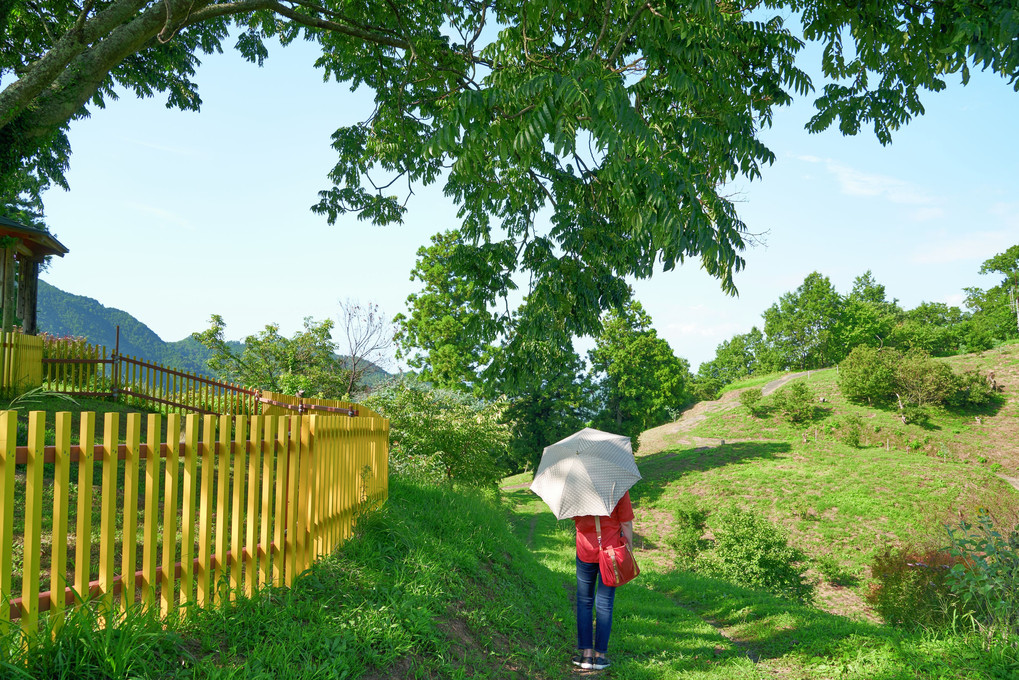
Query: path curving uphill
674,434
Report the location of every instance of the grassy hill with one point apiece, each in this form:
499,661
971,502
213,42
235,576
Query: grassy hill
447,583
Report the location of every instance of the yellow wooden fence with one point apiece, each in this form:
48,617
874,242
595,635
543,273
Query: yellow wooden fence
201,514
20,362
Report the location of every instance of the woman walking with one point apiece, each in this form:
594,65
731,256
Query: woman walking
592,594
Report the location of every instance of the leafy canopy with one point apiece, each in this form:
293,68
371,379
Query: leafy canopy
590,139
270,361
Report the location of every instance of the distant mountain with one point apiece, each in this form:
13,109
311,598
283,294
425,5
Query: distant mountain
61,314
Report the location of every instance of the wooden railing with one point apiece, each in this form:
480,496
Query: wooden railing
79,368
221,508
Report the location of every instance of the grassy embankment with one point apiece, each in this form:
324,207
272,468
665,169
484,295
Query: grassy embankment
439,584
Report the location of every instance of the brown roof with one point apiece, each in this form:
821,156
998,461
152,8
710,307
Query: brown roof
35,242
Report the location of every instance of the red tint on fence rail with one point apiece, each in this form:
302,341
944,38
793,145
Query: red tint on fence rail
95,589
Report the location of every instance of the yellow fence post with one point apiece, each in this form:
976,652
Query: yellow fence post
33,522
171,486
208,449
107,527
150,528
61,504
239,465
189,498
222,505
129,552
8,444
251,516
83,531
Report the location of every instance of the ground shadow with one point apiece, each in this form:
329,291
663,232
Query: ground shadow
659,470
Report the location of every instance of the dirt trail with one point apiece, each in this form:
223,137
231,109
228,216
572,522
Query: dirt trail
672,434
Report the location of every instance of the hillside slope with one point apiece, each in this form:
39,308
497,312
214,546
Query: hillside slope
841,503
63,314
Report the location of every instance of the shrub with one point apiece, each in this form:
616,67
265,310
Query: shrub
796,402
867,375
751,399
923,381
833,571
752,552
985,575
848,429
687,538
431,428
972,389
910,586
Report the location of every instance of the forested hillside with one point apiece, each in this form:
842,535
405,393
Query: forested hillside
62,313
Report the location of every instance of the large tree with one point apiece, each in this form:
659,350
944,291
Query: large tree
641,381
592,137
802,327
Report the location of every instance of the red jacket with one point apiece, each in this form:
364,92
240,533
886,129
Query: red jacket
611,534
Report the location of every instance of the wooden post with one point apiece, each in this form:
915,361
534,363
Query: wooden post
28,294
9,298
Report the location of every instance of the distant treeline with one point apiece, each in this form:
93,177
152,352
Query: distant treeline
816,326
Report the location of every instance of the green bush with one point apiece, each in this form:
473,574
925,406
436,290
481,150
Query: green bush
848,429
985,575
797,402
833,571
867,375
751,399
687,538
752,552
972,389
453,434
923,381
910,587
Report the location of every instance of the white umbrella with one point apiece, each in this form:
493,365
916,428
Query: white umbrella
586,473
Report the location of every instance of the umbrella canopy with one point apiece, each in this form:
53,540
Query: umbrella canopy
586,473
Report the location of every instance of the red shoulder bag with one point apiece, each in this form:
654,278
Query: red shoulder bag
616,563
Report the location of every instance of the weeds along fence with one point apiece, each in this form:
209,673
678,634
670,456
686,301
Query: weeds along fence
20,362
174,513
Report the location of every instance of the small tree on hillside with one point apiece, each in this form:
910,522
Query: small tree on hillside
642,381
270,361
922,381
868,374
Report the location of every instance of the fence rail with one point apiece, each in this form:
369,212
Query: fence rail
79,368
195,517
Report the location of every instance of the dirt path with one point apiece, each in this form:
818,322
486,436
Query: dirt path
672,434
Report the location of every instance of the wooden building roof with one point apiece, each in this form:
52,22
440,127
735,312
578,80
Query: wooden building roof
33,242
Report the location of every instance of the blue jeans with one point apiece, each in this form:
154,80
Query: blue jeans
601,604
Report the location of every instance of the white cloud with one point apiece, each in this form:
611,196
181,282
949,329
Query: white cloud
692,329
853,182
168,148
856,183
977,246
954,300
1008,213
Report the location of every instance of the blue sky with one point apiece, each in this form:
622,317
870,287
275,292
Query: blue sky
175,216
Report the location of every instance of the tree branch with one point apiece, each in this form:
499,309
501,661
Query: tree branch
626,34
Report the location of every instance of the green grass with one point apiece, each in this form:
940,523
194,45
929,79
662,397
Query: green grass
432,585
445,583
